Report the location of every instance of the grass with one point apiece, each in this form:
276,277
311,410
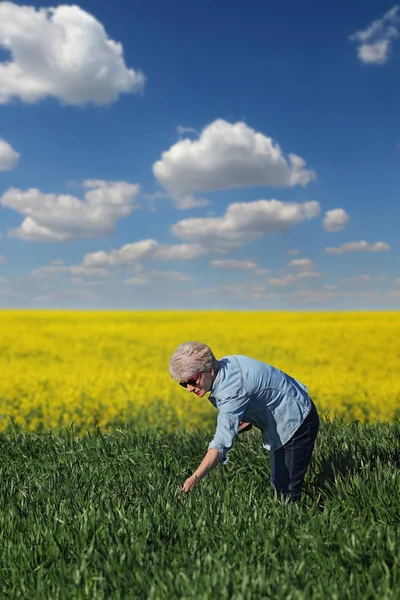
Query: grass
98,517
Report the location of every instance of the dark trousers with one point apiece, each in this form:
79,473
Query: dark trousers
289,463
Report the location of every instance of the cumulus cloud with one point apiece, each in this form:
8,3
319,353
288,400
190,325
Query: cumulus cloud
244,222
239,291
329,288
294,252
228,156
58,218
357,279
144,249
335,220
8,156
301,262
313,296
3,259
325,295
358,247
182,202
147,277
308,275
137,280
76,270
179,252
288,279
62,52
245,265
374,42
189,201
70,295
181,129
282,281
243,292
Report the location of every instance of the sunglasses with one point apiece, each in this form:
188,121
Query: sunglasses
191,382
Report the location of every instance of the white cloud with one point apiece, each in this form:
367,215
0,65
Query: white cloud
301,262
283,281
243,222
182,202
336,219
144,249
69,295
239,291
3,259
170,276
3,279
329,288
181,129
179,252
156,196
137,280
54,270
313,296
201,292
357,279
370,297
243,292
62,52
189,201
228,156
147,277
374,43
398,280
293,252
51,217
8,156
288,279
358,247
260,272
88,282
123,256
245,265
308,275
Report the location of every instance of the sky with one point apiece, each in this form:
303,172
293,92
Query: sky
200,155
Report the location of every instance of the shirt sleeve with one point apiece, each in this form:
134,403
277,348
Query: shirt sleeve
230,414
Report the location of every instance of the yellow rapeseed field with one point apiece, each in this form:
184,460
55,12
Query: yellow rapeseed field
96,368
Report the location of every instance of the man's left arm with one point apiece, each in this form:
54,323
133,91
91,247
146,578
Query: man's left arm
230,414
208,463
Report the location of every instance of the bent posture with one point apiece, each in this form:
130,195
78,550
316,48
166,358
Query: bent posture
249,392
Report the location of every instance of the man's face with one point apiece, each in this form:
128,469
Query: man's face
200,383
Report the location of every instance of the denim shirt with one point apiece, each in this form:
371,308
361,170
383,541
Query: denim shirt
248,390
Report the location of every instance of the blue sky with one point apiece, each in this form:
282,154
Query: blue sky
145,155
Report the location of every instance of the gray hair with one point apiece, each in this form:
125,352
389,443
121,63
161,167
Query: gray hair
191,358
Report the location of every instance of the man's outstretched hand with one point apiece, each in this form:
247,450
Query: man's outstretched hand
190,483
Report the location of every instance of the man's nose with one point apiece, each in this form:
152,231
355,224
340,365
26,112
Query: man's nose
190,388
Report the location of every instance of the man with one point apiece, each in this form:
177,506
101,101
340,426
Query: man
249,392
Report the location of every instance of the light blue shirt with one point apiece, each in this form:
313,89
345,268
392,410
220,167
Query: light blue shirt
249,390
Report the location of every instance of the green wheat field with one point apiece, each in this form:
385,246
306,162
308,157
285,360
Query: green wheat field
98,516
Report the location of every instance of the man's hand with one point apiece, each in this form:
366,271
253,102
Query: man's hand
189,483
210,461
244,426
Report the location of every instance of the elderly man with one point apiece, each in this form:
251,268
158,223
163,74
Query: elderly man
248,392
